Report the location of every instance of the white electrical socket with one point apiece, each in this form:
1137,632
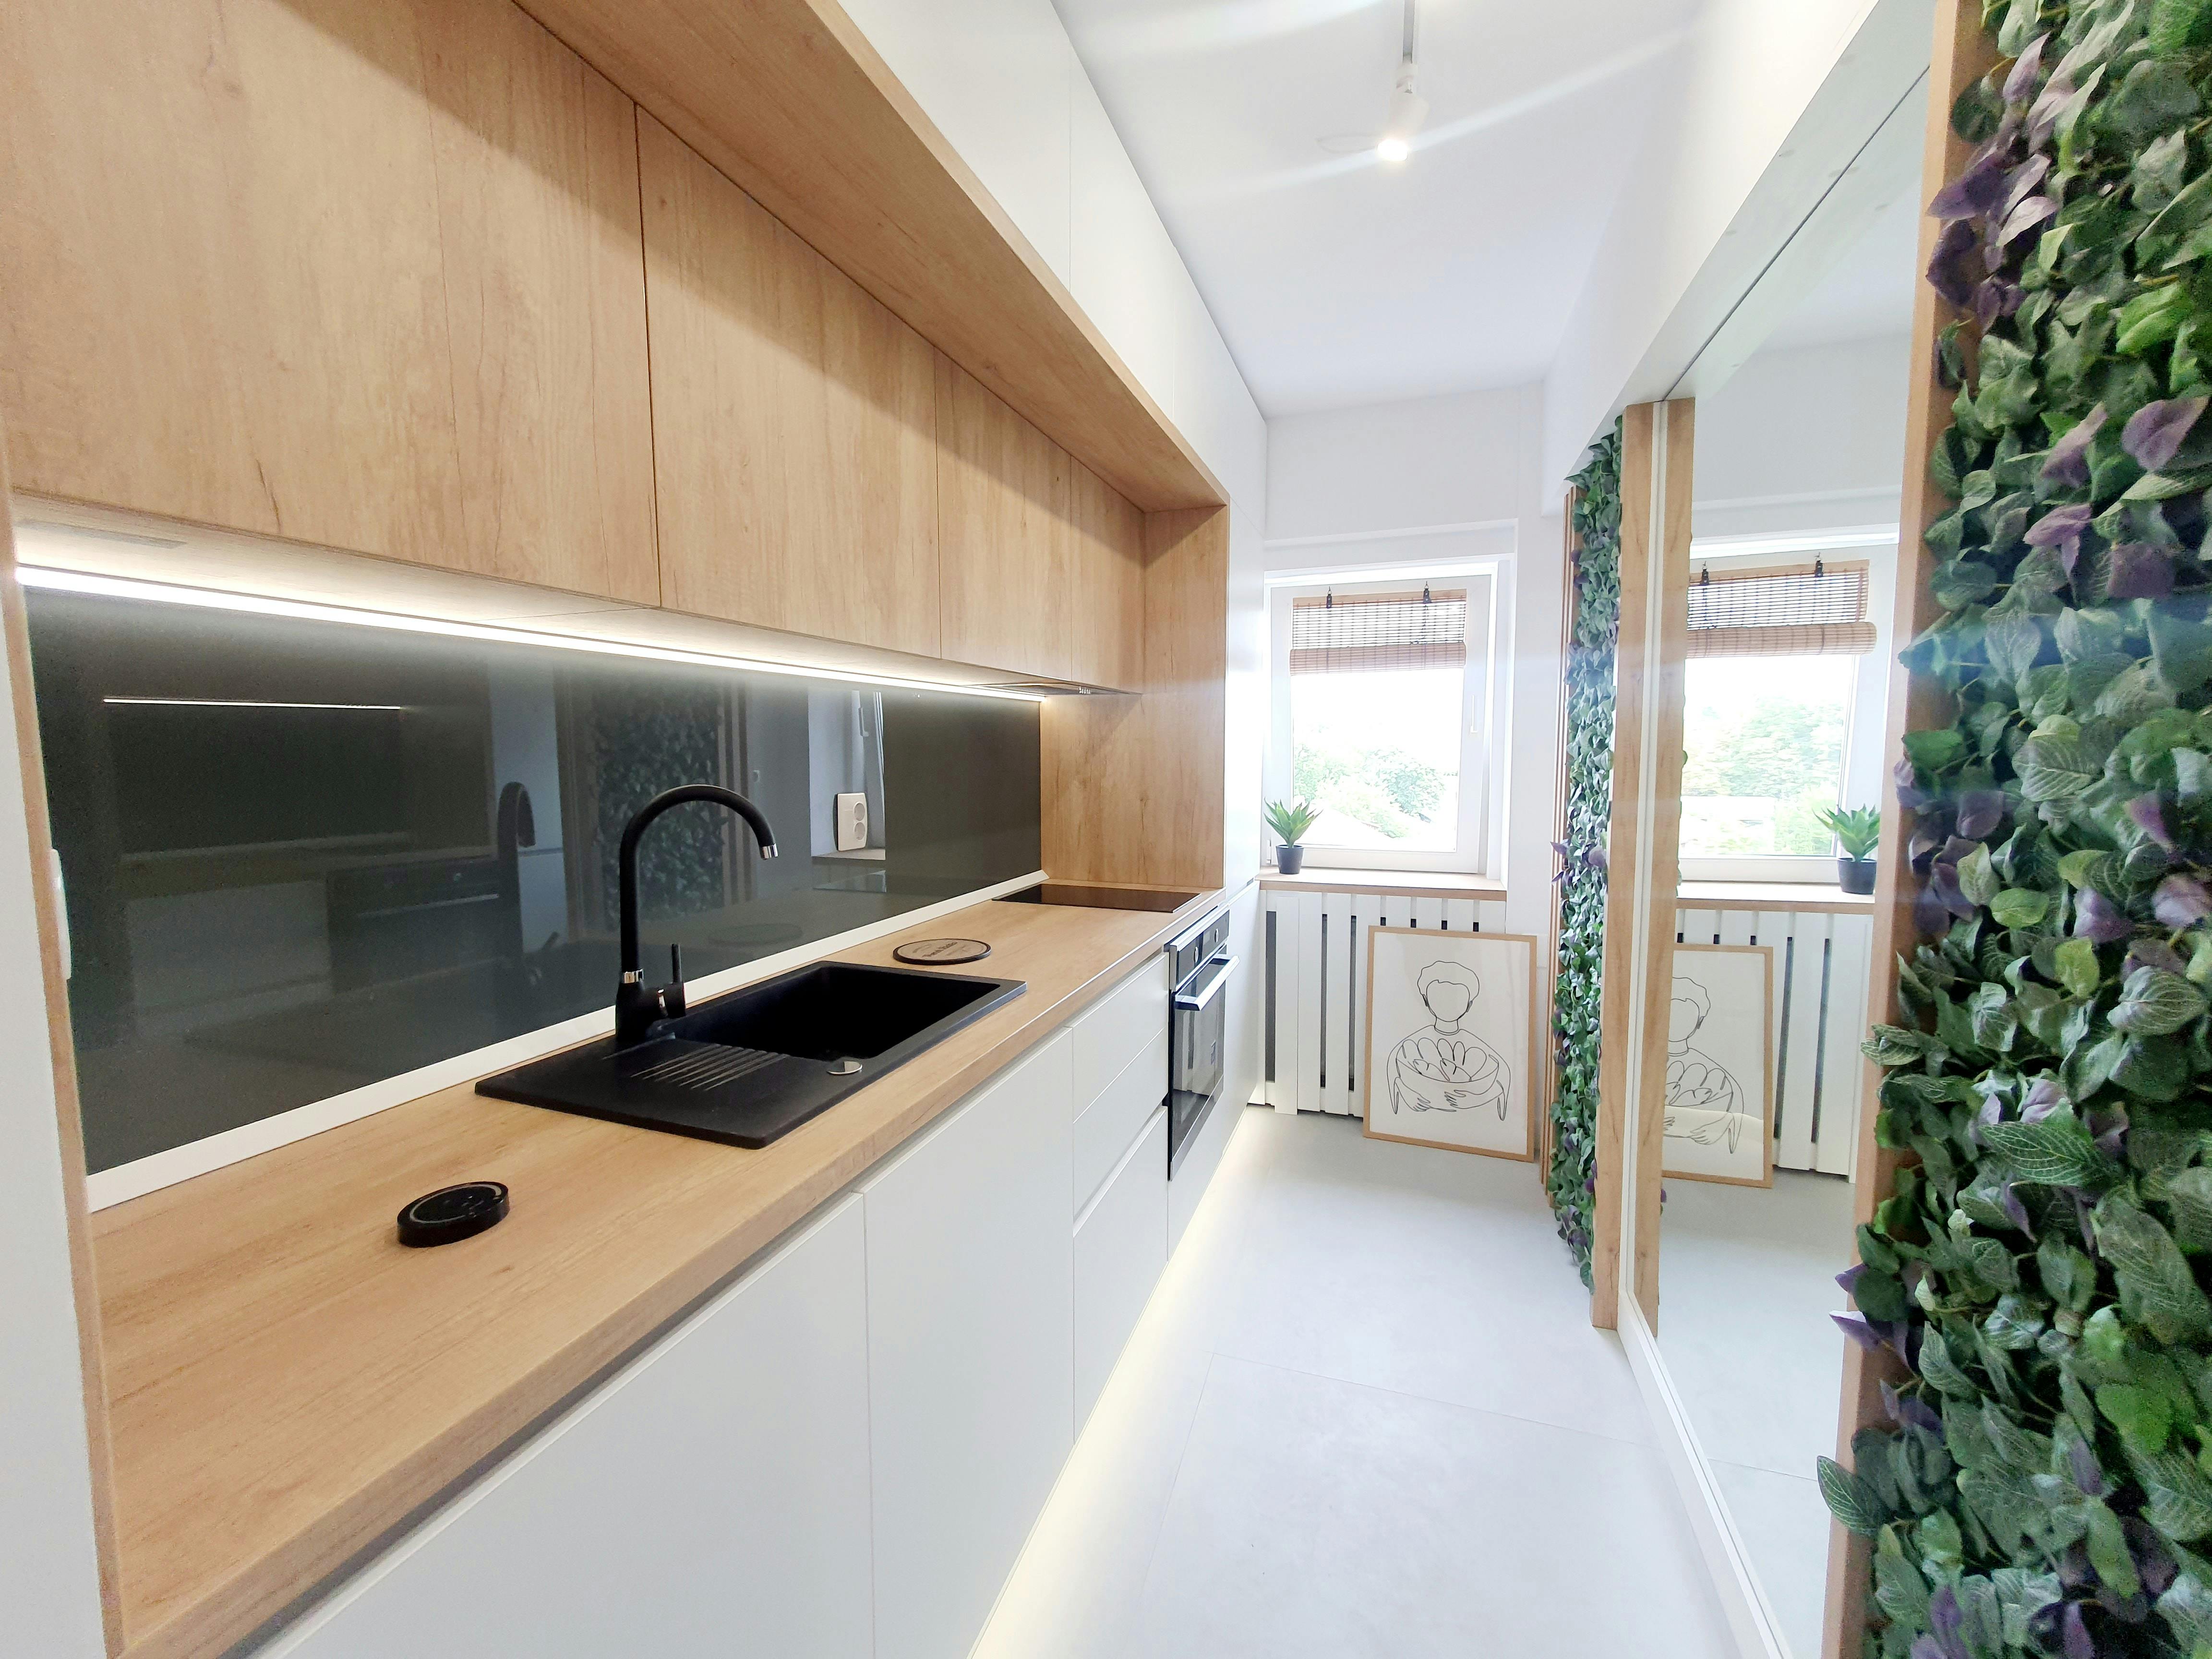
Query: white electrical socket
852,822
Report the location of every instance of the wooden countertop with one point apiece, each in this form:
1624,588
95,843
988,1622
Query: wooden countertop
289,1384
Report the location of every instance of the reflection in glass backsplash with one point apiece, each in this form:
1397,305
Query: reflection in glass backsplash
301,857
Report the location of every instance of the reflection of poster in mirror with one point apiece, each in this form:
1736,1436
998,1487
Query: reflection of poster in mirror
1450,1047
1720,1097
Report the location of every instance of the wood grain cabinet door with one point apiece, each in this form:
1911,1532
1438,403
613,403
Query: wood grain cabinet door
1107,625
1006,534
358,274
795,419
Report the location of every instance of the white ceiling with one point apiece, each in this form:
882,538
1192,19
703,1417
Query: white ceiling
1338,281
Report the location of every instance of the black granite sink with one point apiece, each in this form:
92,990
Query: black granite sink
752,1066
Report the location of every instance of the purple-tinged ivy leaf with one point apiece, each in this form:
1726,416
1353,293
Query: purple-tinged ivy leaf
1860,1329
2088,1476
1943,883
1975,193
2180,900
1995,298
2075,1633
1948,272
2152,953
2109,1131
2015,1210
2060,524
1944,1618
2042,1101
1917,1413
2068,460
1925,1646
2144,810
2097,919
2020,81
2030,213
1980,812
1931,917
2074,1571
1910,795
1958,846
2140,570
1848,1280
2155,433
2050,104
1596,858
2154,1563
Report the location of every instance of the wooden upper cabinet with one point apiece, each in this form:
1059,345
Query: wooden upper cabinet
795,423
1107,624
356,274
1005,533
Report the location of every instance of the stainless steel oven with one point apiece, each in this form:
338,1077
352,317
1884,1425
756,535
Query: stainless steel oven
1198,1011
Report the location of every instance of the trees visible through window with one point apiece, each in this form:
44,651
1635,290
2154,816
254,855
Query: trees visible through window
1379,753
1764,740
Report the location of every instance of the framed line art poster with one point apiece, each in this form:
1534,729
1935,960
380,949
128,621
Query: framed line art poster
1720,1086
1451,1040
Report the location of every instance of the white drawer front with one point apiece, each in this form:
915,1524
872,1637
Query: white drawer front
1114,1119
1120,1250
1118,1028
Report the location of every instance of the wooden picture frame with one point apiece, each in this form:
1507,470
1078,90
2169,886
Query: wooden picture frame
1512,1069
1754,1038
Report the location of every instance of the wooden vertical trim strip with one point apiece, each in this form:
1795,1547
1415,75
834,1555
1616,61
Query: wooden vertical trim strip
1616,1040
1962,54
1664,784
62,1055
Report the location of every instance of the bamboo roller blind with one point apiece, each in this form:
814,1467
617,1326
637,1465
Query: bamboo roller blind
1805,611
1366,632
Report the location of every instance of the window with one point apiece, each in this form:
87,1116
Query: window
1780,660
1381,711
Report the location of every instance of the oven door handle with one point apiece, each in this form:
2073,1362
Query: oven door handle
1198,1002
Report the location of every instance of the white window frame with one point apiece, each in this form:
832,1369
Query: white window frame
1864,774
1481,697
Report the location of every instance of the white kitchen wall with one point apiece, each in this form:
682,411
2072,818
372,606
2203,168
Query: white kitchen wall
49,1570
1440,478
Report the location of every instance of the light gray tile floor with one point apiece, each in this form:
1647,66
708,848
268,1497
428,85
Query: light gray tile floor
1745,1285
1363,1415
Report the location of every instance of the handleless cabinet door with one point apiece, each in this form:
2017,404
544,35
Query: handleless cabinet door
795,423
711,1499
970,1353
361,276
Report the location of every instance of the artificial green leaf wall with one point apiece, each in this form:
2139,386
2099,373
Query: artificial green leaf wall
1571,1178
2044,1483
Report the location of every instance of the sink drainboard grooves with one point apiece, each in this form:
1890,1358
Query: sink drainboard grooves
707,1067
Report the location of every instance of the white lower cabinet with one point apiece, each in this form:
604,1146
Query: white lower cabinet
970,1344
1121,1246
712,1498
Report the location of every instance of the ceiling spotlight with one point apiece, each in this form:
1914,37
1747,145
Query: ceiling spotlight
1408,109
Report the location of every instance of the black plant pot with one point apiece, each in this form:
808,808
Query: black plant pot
1855,875
1289,858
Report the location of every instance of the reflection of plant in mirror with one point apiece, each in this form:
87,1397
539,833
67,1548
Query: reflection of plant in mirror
1856,828
1570,1175
1289,820
2035,1281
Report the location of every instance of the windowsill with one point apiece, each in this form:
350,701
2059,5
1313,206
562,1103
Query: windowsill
1421,883
1807,896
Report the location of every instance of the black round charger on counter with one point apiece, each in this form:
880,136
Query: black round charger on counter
452,1213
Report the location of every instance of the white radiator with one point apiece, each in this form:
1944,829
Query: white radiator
1314,979
1819,1016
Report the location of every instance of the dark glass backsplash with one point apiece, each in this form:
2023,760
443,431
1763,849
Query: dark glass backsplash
301,857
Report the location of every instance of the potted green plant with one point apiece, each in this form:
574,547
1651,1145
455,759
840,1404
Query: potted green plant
1856,828
1289,820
